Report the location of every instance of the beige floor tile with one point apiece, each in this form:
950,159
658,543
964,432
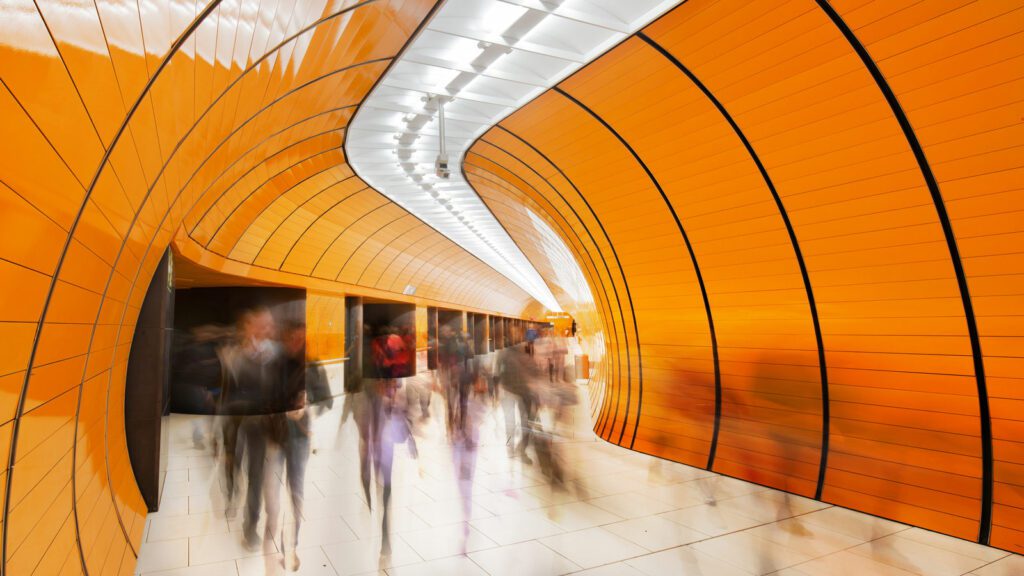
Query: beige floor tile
811,539
449,540
1012,565
509,501
451,566
527,558
220,547
226,568
916,557
579,515
843,563
175,527
163,555
771,505
631,505
593,547
518,527
312,562
683,560
655,532
616,569
960,546
711,520
361,556
854,524
320,531
750,553
451,512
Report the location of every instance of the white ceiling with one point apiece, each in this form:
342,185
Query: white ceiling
484,59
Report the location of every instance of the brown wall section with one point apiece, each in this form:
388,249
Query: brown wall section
847,178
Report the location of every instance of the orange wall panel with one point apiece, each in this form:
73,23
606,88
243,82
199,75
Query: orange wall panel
845,177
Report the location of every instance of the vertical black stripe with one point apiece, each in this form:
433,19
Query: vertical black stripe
689,249
825,412
602,420
596,273
615,254
985,528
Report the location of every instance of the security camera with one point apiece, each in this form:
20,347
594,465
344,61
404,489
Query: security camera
441,166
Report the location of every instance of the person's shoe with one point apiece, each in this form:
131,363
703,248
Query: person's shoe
293,561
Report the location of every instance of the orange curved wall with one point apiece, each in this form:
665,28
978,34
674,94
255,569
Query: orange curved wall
835,188
802,223
216,126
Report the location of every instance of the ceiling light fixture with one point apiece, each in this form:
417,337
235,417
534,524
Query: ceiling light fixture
474,63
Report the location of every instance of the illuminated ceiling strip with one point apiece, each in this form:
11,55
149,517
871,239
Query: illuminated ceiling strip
479,60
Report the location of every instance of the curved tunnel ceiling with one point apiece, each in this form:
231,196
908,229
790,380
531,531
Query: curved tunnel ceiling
480,60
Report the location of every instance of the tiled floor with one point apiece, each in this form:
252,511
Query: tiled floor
627,514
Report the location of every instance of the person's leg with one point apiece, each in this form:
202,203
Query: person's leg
296,459
229,432
525,420
272,468
253,435
385,459
508,409
364,421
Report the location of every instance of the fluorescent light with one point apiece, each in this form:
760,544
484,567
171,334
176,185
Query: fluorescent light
490,57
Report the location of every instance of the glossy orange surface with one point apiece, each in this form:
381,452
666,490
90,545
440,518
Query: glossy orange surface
612,168
222,123
218,128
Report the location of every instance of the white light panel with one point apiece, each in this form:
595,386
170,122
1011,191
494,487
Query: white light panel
484,59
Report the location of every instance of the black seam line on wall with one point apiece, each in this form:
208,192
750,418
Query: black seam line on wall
298,207
423,250
393,260
238,159
498,180
571,228
404,214
391,242
689,248
16,426
313,223
593,270
507,200
251,169
256,114
124,245
615,254
600,425
276,198
462,171
386,203
424,262
811,302
149,247
385,246
149,191
255,63
985,527
263,184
